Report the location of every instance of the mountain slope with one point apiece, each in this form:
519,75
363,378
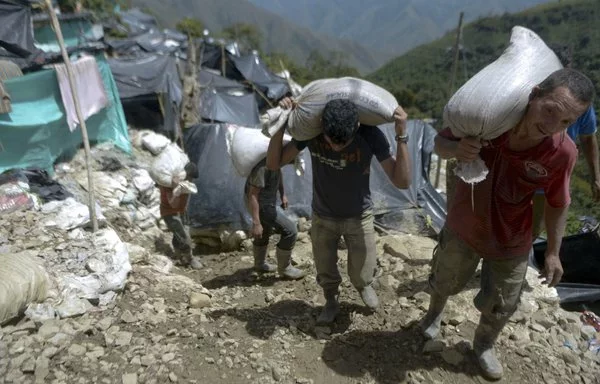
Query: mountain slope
390,25
279,35
420,78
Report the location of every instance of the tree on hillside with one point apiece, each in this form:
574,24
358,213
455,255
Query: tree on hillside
247,35
190,26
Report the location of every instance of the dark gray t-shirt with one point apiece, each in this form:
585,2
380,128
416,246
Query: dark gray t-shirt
267,181
341,179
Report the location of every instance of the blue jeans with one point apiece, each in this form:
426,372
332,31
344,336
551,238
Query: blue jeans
276,221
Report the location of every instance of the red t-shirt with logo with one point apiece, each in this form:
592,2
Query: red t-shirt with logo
178,205
500,224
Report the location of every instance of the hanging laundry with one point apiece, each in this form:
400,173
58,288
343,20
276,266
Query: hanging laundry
89,86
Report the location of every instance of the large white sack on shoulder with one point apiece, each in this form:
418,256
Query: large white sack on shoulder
247,147
494,100
375,104
171,162
22,281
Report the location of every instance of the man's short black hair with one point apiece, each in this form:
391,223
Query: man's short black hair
340,120
191,171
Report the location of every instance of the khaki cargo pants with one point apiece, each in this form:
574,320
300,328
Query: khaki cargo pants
454,264
359,234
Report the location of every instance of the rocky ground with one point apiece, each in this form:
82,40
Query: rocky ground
226,324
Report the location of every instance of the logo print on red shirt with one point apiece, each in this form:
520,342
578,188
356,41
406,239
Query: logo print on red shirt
535,169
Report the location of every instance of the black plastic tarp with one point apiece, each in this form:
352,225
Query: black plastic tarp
252,69
388,200
220,106
158,42
150,75
219,202
16,28
580,258
210,79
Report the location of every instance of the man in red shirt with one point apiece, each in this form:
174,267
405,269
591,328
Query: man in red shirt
493,220
172,211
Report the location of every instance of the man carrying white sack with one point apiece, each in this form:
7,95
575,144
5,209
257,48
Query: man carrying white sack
342,205
496,225
261,190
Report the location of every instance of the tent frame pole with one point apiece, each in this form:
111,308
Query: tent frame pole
84,134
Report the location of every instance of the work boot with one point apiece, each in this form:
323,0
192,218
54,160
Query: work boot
432,322
331,308
486,335
260,257
284,265
369,297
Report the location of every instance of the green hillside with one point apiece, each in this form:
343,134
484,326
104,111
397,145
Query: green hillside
420,78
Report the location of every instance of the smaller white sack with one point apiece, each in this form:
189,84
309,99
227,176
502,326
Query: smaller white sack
375,104
247,147
155,142
169,164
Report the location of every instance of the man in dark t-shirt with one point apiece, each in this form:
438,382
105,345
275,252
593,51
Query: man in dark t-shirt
261,190
342,205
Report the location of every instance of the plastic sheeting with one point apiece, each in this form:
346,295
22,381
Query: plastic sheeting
580,259
256,72
219,105
15,24
76,32
150,75
220,199
37,130
209,79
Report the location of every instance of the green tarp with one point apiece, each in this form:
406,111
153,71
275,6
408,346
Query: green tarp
75,32
36,133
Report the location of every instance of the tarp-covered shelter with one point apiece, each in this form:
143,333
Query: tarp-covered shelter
220,105
36,132
149,84
221,203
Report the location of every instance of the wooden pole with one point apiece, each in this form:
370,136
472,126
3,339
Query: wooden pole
450,90
86,143
223,68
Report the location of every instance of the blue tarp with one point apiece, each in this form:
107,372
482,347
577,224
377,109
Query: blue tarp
35,133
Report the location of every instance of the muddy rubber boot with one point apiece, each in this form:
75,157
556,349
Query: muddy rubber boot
486,335
432,322
331,308
369,297
260,257
284,265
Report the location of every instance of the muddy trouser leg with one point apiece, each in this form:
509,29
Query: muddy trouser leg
325,234
261,245
359,235
285,227
453,265
182,241
501,285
